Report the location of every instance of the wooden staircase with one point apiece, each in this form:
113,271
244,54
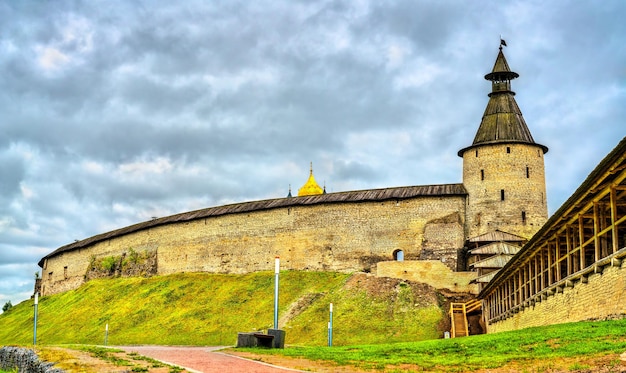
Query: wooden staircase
458,317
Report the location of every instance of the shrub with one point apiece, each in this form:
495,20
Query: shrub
133,256
7,306
109,263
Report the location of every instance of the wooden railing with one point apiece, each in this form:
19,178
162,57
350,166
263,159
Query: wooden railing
458,317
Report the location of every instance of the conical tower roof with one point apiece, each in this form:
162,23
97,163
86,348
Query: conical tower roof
501,70
310,188
502,120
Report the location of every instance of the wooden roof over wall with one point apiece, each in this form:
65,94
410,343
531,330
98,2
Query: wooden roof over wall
485,278
496,248
370,195
611,168
496,261
502,121
496,236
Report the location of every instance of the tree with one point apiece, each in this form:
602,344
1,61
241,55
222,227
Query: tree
7,306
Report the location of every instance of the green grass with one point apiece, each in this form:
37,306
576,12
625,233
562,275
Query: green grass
390,328
525,347
104,353
209,309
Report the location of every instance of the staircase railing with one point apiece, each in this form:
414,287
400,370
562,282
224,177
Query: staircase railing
458,317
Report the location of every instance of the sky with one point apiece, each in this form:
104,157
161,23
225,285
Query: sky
114,112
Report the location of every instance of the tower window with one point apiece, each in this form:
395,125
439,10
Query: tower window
527,172
508,149
482,174
501,194
476,153
524,217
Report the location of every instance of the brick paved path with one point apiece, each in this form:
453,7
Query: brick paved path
204,359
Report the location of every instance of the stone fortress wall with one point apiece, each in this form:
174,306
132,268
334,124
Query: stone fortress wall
503,191
345,237
503,194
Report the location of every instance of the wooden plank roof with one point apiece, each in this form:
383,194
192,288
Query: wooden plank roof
485,278
496,248
496,261
502,121
369,195
611,168
495,236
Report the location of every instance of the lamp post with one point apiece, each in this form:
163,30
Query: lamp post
35,321
276,275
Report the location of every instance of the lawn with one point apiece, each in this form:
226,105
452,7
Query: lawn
574,346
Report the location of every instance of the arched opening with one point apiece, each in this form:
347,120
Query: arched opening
398,255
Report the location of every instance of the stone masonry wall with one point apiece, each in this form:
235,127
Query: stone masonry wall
431,272
24,360
343,237
516,169
602,297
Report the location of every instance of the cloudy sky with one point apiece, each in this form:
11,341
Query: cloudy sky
115,112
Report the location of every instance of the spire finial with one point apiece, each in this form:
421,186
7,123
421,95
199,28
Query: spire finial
311,170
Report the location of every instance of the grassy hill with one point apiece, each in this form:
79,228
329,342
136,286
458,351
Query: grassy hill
583,347
209,309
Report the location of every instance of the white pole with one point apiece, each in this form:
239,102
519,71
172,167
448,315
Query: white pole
35,321
276,273
330,327
106,334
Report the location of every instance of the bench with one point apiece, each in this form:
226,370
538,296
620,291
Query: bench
275,338
264,340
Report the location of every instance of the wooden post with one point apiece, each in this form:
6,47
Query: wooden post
596,229
581,240
568,248
614,237
550,264
557,261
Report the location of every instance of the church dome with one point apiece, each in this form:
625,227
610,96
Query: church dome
310,188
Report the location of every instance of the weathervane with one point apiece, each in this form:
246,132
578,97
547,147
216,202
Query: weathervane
502,42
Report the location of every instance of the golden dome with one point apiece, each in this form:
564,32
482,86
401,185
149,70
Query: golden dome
310,188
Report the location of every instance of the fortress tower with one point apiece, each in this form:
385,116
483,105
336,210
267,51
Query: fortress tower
503,169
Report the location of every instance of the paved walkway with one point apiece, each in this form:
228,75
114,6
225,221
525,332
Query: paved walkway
204,359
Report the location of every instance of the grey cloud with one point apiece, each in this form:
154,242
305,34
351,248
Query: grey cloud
12,171
239,97
350,170
16,278
426,24
9,256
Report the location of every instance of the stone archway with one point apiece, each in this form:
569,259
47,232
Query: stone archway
398,255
